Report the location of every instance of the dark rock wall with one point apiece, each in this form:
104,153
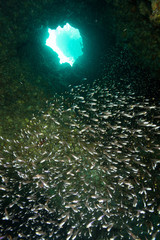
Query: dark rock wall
137,26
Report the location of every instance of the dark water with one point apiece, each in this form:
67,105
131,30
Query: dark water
86,167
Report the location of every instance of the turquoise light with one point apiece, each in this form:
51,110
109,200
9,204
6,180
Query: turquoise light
66,42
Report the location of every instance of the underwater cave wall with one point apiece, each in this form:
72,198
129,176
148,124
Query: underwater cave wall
137,27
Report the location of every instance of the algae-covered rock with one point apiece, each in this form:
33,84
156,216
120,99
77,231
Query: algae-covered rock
155,16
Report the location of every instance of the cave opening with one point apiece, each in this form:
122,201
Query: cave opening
66,42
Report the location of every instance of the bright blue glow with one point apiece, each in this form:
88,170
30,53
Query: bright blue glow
66,42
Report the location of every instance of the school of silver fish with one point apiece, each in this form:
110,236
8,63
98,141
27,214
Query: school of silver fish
86,168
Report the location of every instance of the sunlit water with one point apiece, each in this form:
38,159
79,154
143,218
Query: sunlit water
66,42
